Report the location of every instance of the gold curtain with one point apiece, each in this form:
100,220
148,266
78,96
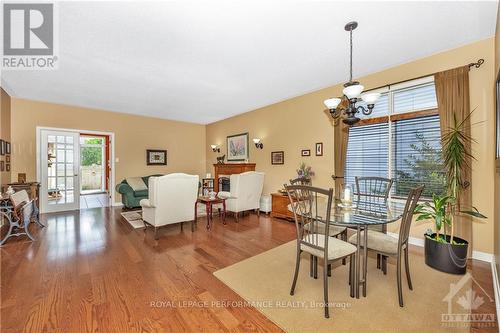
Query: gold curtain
452,90
340,138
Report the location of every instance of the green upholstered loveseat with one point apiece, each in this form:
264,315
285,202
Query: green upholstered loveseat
131,198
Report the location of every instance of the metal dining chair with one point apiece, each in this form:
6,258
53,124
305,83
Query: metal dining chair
386,245
374,189
311,209
334,231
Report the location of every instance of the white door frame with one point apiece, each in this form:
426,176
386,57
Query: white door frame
111,157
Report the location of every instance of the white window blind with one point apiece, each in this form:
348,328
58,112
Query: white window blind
416,156
367,152
413,146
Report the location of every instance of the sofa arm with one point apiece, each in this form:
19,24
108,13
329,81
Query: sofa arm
124,188
146,203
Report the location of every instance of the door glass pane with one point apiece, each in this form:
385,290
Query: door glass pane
61,183
60,156
60,169
60,139
70,197
69,183
69,156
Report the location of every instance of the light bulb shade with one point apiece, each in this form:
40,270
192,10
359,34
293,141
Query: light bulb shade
353,91
213,146
256,140
370,98
332,103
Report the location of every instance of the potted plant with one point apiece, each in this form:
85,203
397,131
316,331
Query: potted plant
443,251
305,171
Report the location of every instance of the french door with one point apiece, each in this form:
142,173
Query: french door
60,165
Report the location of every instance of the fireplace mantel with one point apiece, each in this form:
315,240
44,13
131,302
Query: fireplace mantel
230,169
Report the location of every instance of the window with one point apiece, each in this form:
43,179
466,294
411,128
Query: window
401,140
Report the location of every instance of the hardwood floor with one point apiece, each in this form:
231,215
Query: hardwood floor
89,271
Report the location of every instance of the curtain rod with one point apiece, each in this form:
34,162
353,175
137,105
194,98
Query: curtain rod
472,64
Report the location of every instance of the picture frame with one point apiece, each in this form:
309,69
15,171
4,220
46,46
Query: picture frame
21,178
237,147
7,167
2,166
305,152
156,157
277,157
7,147
2,147
319,149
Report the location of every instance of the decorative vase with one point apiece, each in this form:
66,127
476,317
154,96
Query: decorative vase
445,257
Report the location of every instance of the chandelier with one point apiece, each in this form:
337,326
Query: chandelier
346,105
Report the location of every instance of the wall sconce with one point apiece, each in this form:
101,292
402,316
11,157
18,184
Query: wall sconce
258,144
215,148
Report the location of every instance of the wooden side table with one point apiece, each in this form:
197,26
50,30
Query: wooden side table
280,204
208,202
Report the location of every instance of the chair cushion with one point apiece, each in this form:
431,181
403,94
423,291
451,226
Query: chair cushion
336,247
320,227
378,241
141,193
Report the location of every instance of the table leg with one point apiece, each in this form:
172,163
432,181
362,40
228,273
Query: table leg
356,267
224,211
208,208
365,258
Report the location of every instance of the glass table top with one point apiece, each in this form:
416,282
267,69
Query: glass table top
361,212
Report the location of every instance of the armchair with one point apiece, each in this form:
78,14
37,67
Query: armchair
246,189
171,200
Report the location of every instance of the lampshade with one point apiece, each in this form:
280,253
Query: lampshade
256,140
213,146
332,103
370,98
353,91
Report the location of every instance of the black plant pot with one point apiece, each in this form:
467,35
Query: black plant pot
446,258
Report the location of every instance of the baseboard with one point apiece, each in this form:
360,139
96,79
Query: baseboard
496,286
117,204
477,255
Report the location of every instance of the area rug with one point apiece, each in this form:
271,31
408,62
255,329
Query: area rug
264,282
134,218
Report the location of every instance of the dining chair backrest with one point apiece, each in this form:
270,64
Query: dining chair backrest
406,219
301,181
373,188
311,208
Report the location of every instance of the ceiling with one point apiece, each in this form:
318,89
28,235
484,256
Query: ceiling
202,62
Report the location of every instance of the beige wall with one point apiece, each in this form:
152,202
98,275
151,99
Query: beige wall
4,130
497,175
298,123
185,142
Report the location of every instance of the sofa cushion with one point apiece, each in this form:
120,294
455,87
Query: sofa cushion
141,193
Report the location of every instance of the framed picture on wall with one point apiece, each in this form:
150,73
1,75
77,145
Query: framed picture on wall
2,147
156,157
7,167
7,158
2,166
305,152
237,147
319,149
277,157
7,147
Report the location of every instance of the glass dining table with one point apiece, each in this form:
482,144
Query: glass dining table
361,215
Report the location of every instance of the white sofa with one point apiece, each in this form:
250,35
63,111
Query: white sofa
171,200
246,190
